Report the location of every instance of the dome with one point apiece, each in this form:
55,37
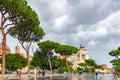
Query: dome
7,48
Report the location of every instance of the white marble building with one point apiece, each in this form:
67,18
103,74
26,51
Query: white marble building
79,57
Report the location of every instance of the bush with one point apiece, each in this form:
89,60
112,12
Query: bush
118,69
78,69
62,69
86,70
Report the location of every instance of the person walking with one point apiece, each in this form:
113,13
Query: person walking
43,72
80,72
96,74
17,72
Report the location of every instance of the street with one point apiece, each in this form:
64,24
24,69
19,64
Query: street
92,76
83,76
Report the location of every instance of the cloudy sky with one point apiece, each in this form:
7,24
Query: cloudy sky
93,23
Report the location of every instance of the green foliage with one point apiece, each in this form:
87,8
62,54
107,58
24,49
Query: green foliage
86,70
74,70
39,60
90,62
27,34
62,69
66,50
91,65
115,53
47,46
83,64
19,12
97,66
15,61
78,69
118,68
92,69
32,67
115,62
21,22
58,63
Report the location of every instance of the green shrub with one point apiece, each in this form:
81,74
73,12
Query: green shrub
86,70
62,69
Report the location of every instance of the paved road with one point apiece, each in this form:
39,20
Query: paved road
84,76
106,77
92,76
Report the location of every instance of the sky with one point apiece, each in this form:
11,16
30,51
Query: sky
93,23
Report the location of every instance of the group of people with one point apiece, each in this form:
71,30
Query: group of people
41,72
19,72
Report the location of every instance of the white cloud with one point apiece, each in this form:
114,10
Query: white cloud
60,21
92,43
59,7
110,24
100,31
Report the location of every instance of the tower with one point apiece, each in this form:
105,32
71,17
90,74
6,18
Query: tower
17,49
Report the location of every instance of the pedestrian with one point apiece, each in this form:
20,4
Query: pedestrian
17,72
65,74
80,72
43,72
39,72
96,74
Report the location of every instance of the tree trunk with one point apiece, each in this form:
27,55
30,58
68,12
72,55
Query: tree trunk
50,66
4,51
3,20
67,64
28,63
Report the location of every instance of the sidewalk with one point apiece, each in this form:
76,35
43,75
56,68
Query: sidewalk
116,78
25,76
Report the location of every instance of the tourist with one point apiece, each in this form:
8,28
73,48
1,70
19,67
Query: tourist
96,74
43,72
39,72
80,72
19,73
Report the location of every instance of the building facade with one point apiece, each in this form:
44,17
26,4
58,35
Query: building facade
79,57
17,51
106,69
7,49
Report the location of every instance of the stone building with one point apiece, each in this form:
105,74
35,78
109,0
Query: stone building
79,57
106,69
17,51
7,49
